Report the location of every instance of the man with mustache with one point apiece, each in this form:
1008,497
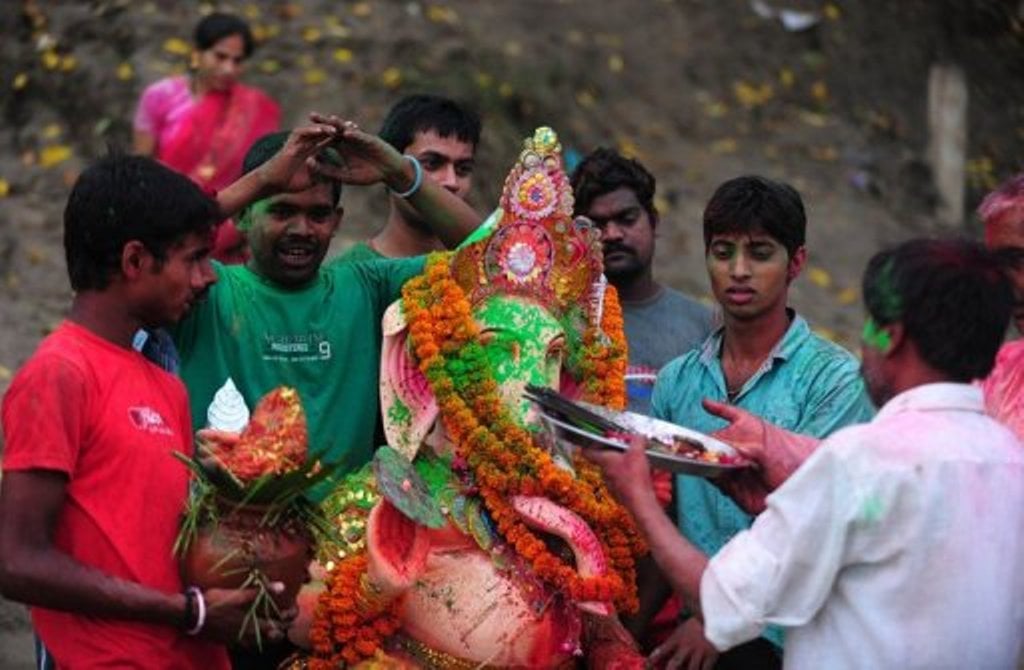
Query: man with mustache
617,194
765,359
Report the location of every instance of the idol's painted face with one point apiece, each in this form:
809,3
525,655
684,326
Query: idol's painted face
750,273
524,344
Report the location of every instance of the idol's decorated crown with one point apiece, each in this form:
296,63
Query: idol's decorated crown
531,246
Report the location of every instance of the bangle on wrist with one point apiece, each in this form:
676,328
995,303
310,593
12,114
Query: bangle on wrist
195,610
417,179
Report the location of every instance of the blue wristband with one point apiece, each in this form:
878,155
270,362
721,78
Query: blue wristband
417,179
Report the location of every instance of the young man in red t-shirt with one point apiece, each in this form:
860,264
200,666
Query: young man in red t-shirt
92,495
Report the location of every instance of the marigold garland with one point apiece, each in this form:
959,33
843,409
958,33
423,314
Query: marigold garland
503,461
350,623
501,454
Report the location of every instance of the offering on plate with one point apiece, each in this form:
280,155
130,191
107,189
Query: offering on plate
671,447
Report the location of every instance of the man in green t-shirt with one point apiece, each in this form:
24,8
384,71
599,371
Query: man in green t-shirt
443,135
284,318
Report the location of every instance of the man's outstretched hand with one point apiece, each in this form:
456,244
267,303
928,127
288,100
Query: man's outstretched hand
776,452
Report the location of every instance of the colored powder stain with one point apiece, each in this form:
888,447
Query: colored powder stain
891,305
872,510
875,337
520,335
399,414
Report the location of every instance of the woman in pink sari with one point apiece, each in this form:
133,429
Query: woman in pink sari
201,125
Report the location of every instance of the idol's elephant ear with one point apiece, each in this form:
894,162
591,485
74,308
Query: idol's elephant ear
408,406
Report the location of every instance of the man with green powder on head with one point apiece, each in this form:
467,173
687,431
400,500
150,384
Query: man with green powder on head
895,543
286,318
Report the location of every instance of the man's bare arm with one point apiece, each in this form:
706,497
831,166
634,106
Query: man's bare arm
367,159
33,571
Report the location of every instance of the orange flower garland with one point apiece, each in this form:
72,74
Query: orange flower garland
501,454
350,623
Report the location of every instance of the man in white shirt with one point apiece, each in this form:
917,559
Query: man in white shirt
896,543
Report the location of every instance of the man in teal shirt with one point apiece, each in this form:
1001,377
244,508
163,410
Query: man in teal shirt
285,318
764,359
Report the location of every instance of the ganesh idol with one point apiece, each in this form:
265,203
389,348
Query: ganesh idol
474,540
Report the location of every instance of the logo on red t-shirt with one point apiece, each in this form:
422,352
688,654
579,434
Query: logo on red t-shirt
149,420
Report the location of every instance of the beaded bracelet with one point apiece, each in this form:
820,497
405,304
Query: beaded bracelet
193,594
417,179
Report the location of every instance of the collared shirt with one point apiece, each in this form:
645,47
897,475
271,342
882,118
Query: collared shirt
897,544
807,385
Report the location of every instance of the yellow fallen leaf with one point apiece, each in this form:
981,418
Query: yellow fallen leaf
824,153
391,77
661,203
259,33
5,372
335,28
832,12
52,131
343,55
727,145
848,296
35,255
627,147
819,91
615,63
506,90
270,66
125,71
68,63
362,9
311,34
819,277
177,46
585,98
786,77
439,14
484,80
5,188
716,109
50,60
252,12
314,76
20,81
54,154
750,95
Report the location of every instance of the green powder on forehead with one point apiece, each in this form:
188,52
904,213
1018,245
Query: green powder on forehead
257,208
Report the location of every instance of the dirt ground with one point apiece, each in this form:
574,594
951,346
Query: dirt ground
699,91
